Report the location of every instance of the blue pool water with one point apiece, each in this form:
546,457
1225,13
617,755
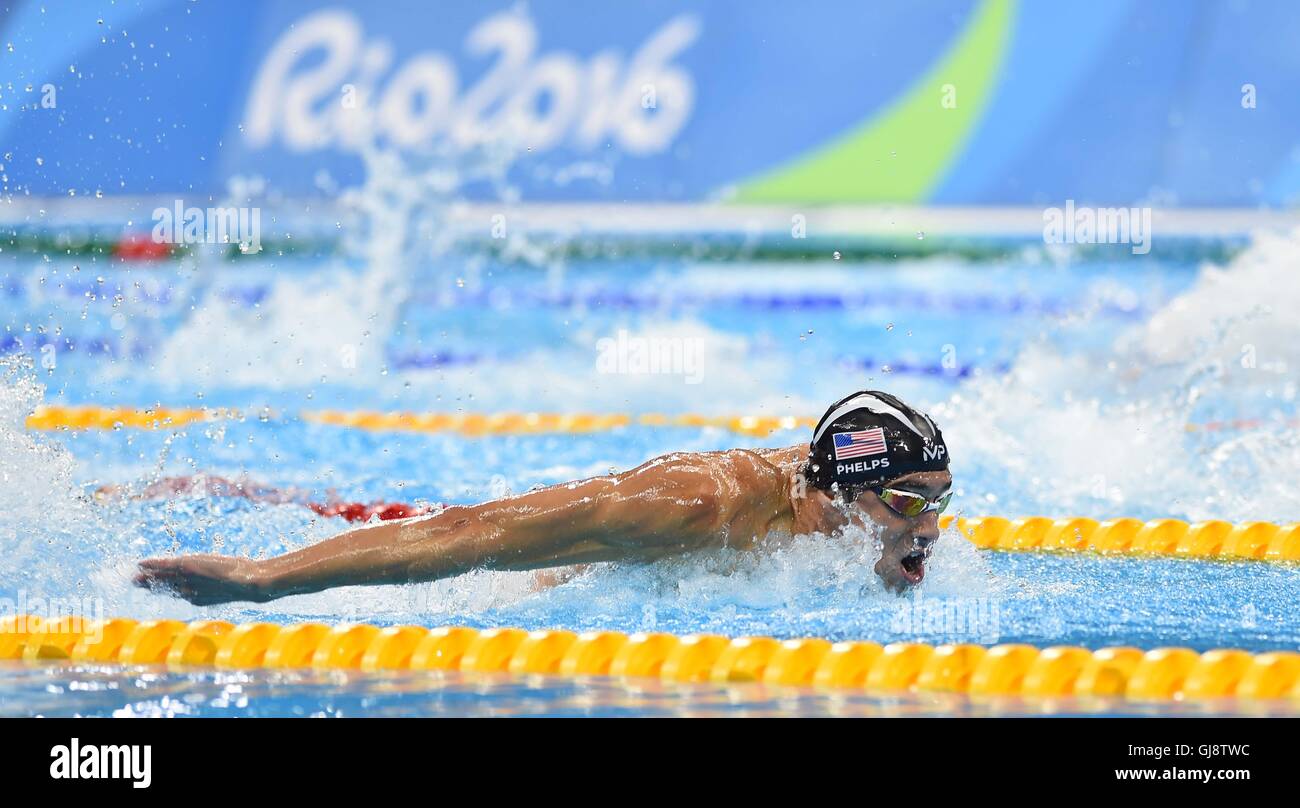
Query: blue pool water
1065,386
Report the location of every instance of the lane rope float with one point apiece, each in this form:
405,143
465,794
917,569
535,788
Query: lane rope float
1161,674
90,416
81,417
1212,538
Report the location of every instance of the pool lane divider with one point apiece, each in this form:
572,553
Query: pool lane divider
1209,539
85,417
1162,674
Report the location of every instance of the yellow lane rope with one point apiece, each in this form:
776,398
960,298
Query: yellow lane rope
1213,538
78,417
1002,670
49,417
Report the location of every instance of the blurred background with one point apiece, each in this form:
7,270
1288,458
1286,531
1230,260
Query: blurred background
967,102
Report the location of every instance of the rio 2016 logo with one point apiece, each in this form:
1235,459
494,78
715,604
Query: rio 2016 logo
638,103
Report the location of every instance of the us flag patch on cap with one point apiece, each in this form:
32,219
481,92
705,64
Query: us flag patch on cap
849,445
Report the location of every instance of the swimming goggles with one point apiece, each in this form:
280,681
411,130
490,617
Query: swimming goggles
911,505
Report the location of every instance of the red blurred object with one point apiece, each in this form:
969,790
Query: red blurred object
216,486
361,512
141,248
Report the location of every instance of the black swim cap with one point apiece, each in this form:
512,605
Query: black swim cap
870,438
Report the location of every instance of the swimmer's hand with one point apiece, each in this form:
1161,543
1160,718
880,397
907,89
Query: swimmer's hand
204,580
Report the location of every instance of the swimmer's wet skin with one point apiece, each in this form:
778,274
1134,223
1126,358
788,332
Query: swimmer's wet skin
873,460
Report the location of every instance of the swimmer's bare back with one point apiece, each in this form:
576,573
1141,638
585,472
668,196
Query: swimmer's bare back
669,505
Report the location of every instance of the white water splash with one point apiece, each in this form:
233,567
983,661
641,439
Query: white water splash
48,527
332,326
1114,431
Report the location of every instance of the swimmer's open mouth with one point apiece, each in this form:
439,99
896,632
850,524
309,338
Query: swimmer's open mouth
913,565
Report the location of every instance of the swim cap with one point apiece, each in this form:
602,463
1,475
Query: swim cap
870,438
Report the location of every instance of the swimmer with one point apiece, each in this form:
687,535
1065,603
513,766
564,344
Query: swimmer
873,460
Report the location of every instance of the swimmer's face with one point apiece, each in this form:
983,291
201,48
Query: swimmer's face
908,541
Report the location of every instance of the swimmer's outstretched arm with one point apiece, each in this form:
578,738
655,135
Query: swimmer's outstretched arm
670,504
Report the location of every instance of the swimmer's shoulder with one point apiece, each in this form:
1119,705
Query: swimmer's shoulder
766,479
763,470
785,456
744,493
788,462
737,476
